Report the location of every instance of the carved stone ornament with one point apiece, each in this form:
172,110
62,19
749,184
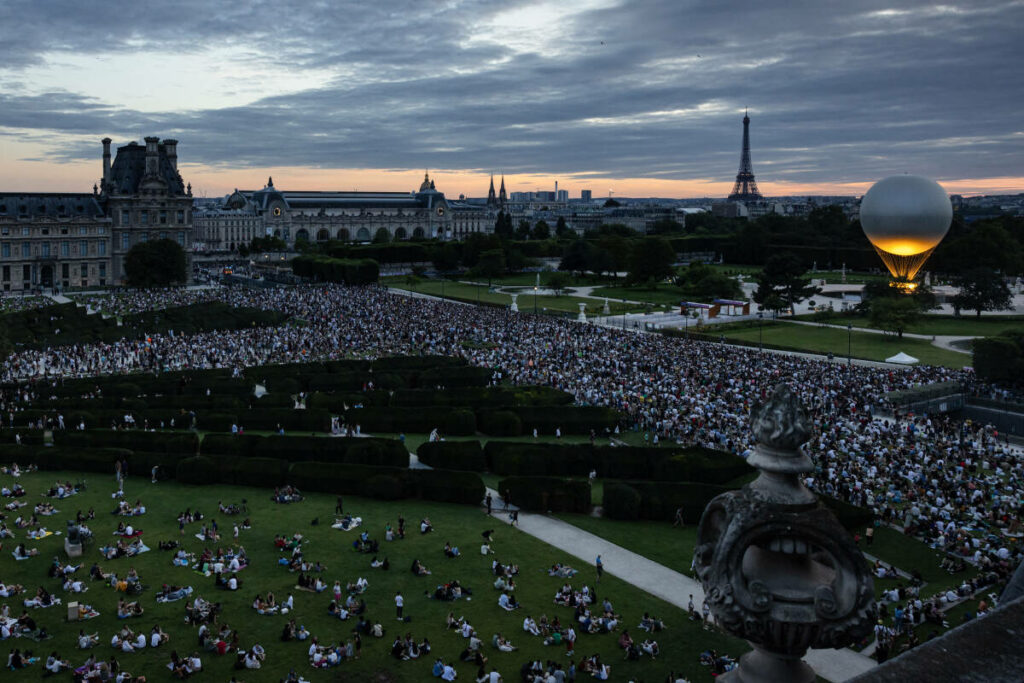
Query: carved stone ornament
777,567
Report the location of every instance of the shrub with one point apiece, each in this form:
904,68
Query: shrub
660,500
259,472
448,486
453,455
134,439
853,518
570,419
384,487
499,423
449,377
621,501
334,478
198,469
230,444
460,423
544,494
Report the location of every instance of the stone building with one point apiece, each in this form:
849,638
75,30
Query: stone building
77,240
348,216
53,240
145,198
224,227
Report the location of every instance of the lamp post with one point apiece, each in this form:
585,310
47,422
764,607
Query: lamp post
535,299
760,334
686,323
849,345
623,313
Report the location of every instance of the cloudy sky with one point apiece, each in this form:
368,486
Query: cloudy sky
639,97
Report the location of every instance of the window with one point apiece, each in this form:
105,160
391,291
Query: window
85,271
144,237
144,217
46,231
181,216
181,238
163,234
5,251
103,270
83,248
7,273
163,216
83,231
26,273
100,230
65,249
126,241
26,249
46,249
126,216
64,231
5,230
101,248
25,232
64,270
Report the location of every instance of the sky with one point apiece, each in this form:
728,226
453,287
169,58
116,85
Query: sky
623,97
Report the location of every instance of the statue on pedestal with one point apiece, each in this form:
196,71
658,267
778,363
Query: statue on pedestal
515,306
582,317
777,567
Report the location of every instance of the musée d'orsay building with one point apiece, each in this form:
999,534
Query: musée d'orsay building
56,239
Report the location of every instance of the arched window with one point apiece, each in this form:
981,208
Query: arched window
418,232
343,235
401,234
363,235
302,234
323,235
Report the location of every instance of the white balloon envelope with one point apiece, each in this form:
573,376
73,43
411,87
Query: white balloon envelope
905,217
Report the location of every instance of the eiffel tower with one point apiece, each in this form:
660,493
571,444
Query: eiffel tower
745,188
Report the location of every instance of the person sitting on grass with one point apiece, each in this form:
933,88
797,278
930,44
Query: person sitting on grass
450,551
507,602
86,641
425,526
418,569
650,646
498,641
54,664
380,564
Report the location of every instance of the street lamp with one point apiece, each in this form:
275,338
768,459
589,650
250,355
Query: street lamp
760,334
535,299
623,313
849,345
686,323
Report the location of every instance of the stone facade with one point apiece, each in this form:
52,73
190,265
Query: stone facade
74,240
224,227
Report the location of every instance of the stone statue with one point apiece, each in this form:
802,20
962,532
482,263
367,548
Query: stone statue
777,567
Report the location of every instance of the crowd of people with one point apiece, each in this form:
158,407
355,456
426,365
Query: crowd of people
956,485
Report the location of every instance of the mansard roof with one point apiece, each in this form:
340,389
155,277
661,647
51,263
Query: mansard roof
299,200
130,166
49,204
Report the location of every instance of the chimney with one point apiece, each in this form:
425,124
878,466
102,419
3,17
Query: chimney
152,155
106,163
171,147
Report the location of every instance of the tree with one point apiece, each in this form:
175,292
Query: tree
382,236
1000,359
503,226
922,295
445,258
894,314
576,258
704,282
542,230
157,263
665,226
557,282
784,276
651,261
562,229
523,231
981,289
491,264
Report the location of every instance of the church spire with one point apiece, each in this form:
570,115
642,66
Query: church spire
491,198
502,197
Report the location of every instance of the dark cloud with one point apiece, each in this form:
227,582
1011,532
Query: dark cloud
838,91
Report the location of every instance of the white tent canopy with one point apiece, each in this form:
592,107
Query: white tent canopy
902,359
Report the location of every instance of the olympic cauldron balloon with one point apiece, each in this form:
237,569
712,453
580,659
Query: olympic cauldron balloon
905,217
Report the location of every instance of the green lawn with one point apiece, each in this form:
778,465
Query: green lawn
864,345
474,293
967,325
663,295
460,525
909,554
529,279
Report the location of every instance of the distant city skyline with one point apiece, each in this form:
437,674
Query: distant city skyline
644,97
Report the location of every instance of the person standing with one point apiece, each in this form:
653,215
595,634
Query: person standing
399,603
600,568
570,641
339,508
489,502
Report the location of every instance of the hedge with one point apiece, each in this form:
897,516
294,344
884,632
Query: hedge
29,437
132,439
853,518
621,501
544,494
449,487
570,419
453,455
327,269
399,419
499,423
660,500
460,422
336,450
347,479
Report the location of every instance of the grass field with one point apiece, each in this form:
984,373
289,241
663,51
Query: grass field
967,325
866,345
663,295
478,293
680,643
658,541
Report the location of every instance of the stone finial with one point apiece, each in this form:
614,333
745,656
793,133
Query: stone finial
780,422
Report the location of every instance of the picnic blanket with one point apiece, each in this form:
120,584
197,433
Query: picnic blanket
34,602
135,534
15,556
35,535
177,595
352,524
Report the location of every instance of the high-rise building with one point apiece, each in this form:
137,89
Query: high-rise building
561,195
585,195
745,188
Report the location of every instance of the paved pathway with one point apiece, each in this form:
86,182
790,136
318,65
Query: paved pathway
671,586
943,341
